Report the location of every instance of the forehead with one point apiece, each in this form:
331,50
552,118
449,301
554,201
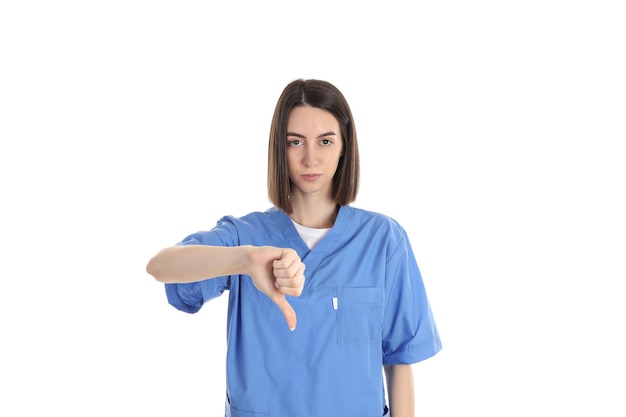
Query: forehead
311,119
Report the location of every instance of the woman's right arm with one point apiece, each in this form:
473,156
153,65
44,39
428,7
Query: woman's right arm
182,264
276,272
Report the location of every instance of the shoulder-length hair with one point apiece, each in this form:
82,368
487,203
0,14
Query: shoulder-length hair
323,95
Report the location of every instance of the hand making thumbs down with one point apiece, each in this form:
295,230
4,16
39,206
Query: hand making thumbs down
278,272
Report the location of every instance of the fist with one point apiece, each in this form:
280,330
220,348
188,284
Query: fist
278,272
289,273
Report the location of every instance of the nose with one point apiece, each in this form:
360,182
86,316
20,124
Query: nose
309,158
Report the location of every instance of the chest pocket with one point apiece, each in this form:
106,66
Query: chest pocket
359,314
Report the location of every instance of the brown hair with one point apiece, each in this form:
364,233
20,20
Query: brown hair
323,95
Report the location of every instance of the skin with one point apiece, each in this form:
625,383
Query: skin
314,149
313,152
400,390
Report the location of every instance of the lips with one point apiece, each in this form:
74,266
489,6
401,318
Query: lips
311,177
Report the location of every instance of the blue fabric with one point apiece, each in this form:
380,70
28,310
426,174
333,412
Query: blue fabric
331,365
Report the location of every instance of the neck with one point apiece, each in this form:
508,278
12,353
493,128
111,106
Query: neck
317,214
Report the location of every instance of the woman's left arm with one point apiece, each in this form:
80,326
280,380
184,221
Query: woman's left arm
400,390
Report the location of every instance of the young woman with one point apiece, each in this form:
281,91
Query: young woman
362,307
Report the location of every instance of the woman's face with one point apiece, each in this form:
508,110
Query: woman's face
314,146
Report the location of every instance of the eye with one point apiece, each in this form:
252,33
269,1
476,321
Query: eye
326,142
294,142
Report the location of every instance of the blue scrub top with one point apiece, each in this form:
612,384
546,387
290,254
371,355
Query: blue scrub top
363,306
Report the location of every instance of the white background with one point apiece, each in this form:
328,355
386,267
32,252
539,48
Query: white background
493,131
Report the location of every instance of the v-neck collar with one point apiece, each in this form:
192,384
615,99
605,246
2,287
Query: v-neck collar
312,257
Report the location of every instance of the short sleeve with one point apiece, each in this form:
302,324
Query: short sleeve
190,297
409,331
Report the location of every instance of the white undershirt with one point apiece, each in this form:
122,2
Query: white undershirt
309,235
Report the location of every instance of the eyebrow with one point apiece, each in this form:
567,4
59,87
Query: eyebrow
304,137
